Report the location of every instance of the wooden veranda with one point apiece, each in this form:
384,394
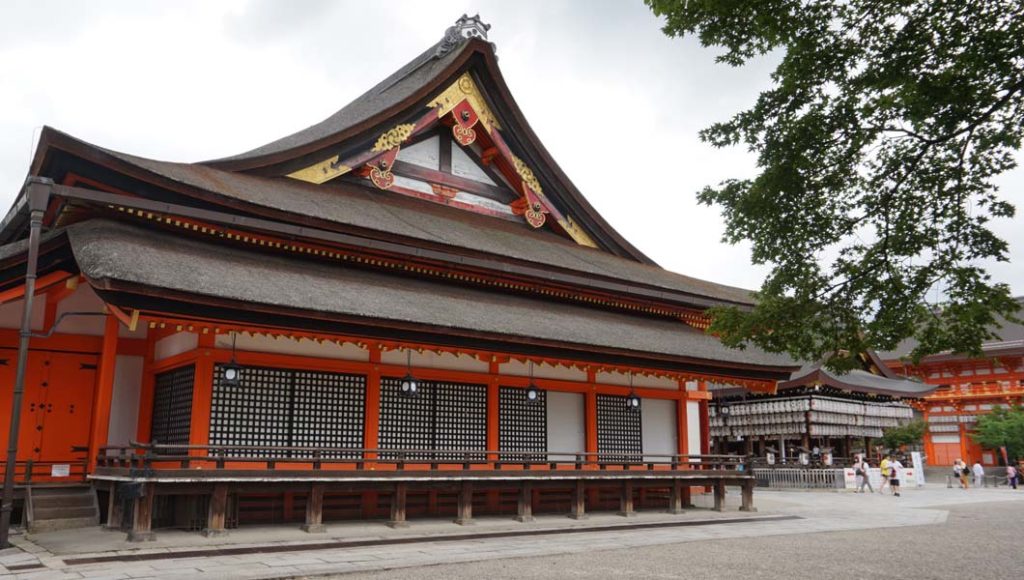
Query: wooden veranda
138,474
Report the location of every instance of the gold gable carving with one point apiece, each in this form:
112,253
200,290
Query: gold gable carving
465,89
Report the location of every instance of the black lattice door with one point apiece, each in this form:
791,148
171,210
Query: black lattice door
172,406
442,416
328,411
619,432
272,407
522,424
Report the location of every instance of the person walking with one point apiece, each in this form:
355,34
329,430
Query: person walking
884,468
979,474
1011,476
895,471
861,470
960,471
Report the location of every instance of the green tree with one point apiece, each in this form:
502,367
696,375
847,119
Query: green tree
1002,428
911,433
877,147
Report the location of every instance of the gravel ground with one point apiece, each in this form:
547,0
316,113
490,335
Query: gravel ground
978,541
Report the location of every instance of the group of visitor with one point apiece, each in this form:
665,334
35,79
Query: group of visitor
962,473
891,469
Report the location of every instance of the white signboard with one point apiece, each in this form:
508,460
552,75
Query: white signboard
915,458
60,470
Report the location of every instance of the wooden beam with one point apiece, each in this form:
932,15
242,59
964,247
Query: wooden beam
315,510
42,283
371,419
216,517
144,425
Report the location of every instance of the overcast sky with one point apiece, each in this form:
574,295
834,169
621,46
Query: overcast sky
616,102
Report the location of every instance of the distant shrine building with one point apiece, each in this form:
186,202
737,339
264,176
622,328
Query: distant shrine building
966,389
407,309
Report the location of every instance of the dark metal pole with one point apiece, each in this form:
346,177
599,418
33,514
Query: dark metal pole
38,192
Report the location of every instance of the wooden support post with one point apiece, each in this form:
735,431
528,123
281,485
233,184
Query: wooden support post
524,509
464,516
579,501
114,515
626,500
315,510
719,495
747,501
687,497
104,391
398,506
142,516
371,423
202,394
675,500
217,514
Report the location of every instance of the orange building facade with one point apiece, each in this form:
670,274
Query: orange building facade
405,309
968,388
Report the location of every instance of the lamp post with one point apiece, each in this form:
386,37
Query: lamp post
532,390
632,399
232,370
38,195
410,386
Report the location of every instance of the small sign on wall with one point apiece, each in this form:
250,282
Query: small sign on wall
60,470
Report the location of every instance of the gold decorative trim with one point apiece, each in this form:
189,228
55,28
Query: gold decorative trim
576,232
526,174
393,137
465,89
318,173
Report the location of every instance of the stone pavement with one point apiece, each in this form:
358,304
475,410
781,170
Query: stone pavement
283,551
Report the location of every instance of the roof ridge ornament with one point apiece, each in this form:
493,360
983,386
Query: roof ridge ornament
464,28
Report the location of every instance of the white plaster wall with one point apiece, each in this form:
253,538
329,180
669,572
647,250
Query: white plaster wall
293,346
84,299
543,371
124,409
691,385
10,313
945,438
693,427
566,427
425,153
638,381
433,360
464,166
658,425
175,344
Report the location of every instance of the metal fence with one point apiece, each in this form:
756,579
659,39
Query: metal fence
797,478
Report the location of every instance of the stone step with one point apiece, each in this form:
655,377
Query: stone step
67,500
41,491
60,513
40,526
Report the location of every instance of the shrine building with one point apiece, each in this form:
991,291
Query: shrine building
407,309
816,409
966,388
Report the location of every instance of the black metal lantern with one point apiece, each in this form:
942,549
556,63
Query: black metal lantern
410,386
232,376
632,399
532,390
